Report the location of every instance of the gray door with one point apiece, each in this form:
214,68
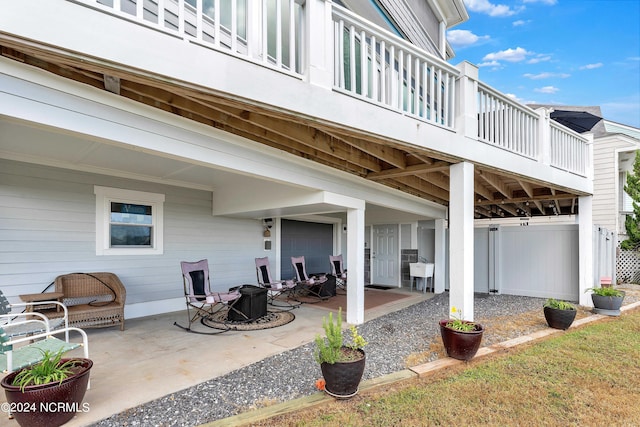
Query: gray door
384,255
312,240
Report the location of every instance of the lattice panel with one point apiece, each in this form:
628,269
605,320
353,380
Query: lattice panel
628,266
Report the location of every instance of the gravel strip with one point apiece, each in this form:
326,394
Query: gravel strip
391,339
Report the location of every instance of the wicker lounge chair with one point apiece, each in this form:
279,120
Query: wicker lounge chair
94,300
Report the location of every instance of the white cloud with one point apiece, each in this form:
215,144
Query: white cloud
546,75
539,58
513,97
510,55
463,38
547,89
592,66
488,8
520,23
495,64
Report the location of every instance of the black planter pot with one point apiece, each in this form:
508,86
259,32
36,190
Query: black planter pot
609,306
558,318
461,345
52,404
343,378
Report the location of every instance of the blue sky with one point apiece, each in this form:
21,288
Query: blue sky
567,52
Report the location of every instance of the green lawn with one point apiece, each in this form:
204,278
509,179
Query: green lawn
588,376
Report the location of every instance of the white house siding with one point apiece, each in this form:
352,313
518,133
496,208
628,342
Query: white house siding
418,22
47,228
605,193
540,261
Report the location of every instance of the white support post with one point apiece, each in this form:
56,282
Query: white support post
466,97
461,285
440,256
355,262
544,135
319,43
585,251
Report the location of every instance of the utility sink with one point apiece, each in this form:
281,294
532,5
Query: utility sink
418,269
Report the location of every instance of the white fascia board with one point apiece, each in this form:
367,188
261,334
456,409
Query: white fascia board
530,221
342,200
283,202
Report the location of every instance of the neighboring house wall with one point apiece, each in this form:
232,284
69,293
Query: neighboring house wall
48,229
419,23
605,172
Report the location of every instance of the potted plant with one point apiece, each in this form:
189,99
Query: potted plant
342,362
607,300
461,338
48,393
559,314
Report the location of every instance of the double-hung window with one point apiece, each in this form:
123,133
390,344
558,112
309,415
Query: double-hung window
128,222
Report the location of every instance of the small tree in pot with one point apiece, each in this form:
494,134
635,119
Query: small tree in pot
342,362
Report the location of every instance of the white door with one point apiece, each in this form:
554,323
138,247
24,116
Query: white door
384,255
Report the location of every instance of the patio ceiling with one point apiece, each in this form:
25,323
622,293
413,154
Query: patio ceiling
414,170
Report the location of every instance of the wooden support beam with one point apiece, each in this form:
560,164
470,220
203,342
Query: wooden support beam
524,199
495,182
408,171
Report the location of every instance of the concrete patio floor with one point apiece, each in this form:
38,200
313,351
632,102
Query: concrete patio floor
152,358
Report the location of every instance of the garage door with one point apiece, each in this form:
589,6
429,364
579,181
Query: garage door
312,240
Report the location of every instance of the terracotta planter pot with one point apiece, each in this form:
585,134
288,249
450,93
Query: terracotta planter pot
607,305
461,345
48,405
343,378
558,318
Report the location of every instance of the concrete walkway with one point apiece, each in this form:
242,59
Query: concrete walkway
152,358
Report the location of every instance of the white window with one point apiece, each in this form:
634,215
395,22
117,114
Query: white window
128,222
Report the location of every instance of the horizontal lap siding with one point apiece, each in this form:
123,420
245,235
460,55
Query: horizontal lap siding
47,228
605,194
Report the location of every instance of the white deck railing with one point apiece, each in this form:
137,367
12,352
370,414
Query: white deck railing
379,66
368,62
507,124
569,150
264,31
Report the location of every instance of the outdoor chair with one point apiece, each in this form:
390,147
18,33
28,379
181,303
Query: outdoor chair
308,286
200,299
279,292
337,269
30,320
18,352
